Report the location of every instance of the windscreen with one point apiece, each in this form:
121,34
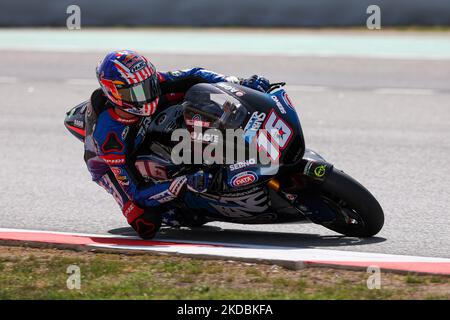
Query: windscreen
211,107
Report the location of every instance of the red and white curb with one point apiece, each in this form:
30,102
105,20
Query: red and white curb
290,257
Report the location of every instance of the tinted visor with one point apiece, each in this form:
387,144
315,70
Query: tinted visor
142,92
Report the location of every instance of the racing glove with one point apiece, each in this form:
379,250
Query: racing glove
256,82
232,79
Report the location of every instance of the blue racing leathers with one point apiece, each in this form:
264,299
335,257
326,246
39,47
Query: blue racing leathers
111,142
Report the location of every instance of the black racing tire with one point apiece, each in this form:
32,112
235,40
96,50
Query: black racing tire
349,199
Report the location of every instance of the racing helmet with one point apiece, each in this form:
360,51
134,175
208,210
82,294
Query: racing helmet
130,82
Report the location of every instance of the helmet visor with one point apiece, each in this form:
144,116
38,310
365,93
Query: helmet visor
142,92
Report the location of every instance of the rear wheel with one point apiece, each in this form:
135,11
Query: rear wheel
358,213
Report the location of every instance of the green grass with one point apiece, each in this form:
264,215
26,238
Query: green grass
41,274
414,279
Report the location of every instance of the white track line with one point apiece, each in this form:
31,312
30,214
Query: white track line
242,250
287,254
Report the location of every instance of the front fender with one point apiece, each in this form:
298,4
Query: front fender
314,166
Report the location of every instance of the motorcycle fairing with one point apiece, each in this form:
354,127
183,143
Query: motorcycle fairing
242,206
75,120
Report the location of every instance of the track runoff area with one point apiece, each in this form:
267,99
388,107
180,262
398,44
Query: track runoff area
287,257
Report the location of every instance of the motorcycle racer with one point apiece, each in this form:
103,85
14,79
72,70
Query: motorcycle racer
117,117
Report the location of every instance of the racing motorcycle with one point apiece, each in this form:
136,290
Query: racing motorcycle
297,186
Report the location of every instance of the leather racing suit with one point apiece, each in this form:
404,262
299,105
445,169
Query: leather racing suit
111,142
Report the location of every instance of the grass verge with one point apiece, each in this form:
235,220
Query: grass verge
30,273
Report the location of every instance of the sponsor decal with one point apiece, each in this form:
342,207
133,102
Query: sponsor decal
113,159
231,89
320,171
278,129
121,178
197,121
288,101
255,121
279,104
244,206
131,211
146,121
205,137
125,133
242,164
116,171
253,125
315,169
122,120
264,143
138,66
130,59
243,179
234,194
143,128
275,137
78,123
141,133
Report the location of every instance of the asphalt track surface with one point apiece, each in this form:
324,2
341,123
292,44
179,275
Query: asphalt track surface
386,122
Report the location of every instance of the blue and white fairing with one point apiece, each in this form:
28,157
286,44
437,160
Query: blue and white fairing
269,122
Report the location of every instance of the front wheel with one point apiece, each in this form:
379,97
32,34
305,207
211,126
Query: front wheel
358,213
